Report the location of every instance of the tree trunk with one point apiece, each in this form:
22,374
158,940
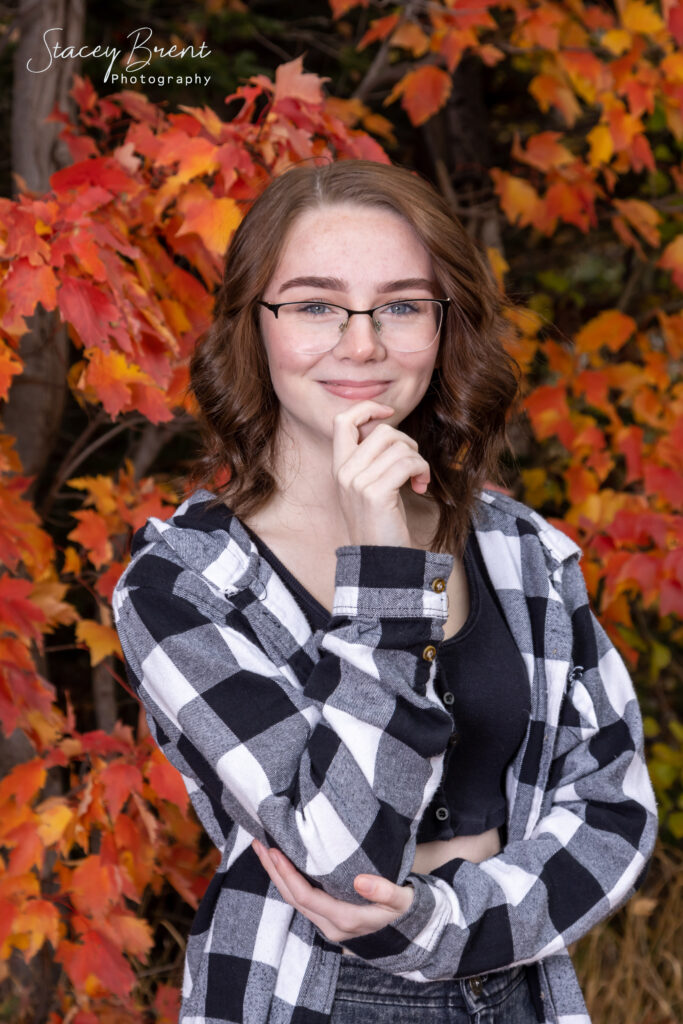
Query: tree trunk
34,409
458,140
36,401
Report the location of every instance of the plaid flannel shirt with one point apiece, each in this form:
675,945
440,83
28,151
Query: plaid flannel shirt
330,744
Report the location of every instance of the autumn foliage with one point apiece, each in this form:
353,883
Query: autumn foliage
127,249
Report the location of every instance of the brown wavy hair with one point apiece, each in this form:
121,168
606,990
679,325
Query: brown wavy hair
459,424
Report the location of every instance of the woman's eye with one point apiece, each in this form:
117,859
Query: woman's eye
314,308
400,308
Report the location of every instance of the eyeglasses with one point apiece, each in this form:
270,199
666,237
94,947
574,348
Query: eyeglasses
405,325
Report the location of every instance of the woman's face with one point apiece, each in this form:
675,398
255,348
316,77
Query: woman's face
357,257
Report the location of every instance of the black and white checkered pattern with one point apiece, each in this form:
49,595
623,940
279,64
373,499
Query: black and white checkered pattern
329,745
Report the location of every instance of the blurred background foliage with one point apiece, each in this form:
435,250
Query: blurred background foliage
554,130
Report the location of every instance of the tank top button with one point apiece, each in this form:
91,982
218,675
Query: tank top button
438,585
448,698
452,739
442,813
429,652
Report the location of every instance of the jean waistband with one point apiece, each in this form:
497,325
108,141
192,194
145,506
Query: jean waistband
471,994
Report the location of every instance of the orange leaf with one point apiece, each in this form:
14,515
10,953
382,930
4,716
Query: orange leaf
551,91
629,442
195,156
340,7
93,886
27,850
119,780
96,967
410,36
379,29
48,596
166,781
672,259
10,366
292,82
543,151
214,221
611,328
423,92
26,286
17,611
549,414
93,533
519,200
110,378
128,933
36,922
665,483
167,1004
572,204
87,309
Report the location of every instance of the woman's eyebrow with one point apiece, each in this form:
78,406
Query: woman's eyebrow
338,284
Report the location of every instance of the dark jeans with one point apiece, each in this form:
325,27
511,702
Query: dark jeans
365,995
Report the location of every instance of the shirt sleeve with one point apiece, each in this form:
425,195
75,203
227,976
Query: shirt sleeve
331,760
584,857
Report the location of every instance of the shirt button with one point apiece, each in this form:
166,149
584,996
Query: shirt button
442,813
438,585
429,652
452,739
476,986
448,698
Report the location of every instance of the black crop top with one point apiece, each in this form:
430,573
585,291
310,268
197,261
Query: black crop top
482,681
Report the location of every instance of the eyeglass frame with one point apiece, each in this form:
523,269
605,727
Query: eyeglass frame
275,307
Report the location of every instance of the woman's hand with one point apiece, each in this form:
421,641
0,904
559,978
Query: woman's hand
370,473
336,919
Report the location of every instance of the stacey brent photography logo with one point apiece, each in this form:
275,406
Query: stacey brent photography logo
139,57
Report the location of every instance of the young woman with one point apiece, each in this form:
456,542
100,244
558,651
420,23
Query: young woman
414,746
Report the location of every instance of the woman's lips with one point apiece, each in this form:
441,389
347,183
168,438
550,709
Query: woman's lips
355,389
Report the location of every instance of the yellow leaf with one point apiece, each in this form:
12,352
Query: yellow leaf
641,17
499,265
672,66
72,563
55,818
101,491
101,640
617,41
610,328
602,145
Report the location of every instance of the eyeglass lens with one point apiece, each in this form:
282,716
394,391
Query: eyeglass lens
407,326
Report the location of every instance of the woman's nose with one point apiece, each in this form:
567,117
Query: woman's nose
360,339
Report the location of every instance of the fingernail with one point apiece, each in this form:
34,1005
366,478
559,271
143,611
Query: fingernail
365,885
